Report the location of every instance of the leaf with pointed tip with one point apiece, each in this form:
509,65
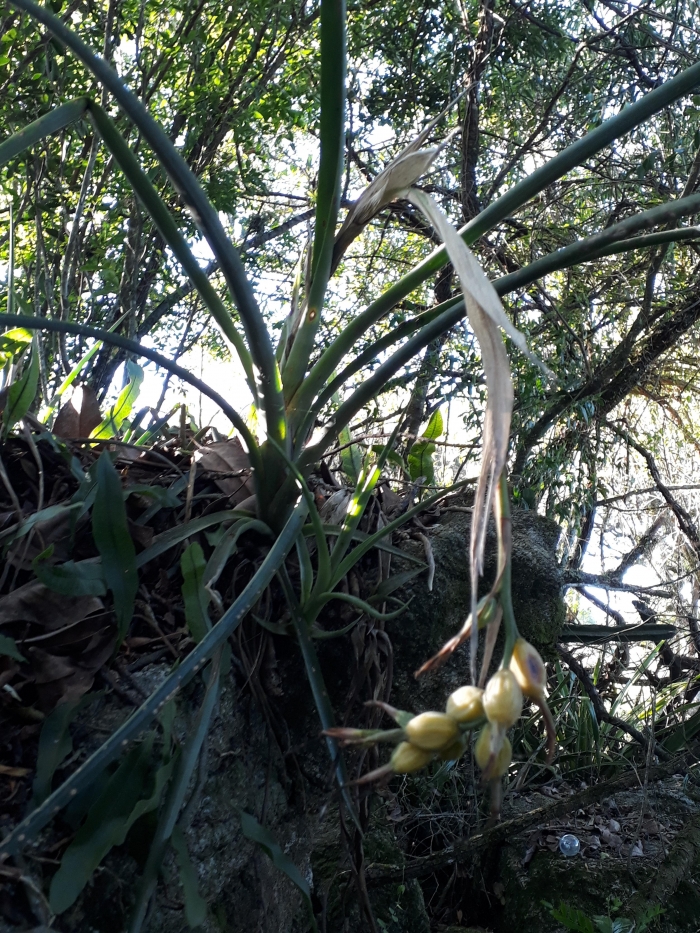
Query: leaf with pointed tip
194,593
121,409
195,905
84,578
263,838
22,392
9,649
130,792
111,533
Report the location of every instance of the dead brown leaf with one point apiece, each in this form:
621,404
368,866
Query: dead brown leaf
230,458
36,603
14,772
79,416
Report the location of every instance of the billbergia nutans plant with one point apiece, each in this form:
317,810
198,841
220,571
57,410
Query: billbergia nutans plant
300,382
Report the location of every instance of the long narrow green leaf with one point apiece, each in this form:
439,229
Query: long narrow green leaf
356,508
84,578
120,411
263,838
330,174
111,533
193,565
163,542
204,214
574,155
40,323
44,515
176,792
168,229
131,791
593,247
21,393
195,905
77,369
84,775
53,121
55,744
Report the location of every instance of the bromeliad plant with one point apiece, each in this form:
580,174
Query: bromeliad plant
294,383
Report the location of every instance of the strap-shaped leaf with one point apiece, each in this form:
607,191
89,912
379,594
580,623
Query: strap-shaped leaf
195,905
87,772
111,534
131,791
194,593
174,536
263,838
121,409
22,392
84,578
55,744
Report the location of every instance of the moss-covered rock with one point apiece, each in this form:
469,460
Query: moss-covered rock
434,616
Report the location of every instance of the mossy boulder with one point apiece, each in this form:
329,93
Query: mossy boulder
434,616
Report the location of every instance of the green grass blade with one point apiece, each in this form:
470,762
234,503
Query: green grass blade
356,508
28,829
194,593
168,229
197,203
53,121
77,369
120,411
330,175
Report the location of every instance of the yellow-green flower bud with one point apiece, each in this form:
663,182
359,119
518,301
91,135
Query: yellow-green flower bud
493,761
431,731
503,699
528,668
408,757
465,704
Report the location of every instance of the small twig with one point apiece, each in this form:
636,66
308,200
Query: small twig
190,490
